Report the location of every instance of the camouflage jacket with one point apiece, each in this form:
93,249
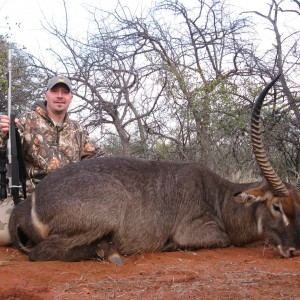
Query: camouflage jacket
48,146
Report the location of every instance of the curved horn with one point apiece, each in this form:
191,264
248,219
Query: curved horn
258,148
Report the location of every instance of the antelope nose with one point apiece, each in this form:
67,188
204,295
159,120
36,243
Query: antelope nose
288,252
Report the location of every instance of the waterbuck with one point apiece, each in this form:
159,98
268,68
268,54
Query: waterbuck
116,206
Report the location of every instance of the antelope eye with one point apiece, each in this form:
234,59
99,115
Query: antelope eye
276,207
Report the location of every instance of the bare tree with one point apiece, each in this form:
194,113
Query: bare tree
199,49
179,82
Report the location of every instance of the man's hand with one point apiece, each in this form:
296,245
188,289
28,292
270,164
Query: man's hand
5,123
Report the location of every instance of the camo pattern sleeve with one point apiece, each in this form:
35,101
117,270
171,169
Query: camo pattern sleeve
88,148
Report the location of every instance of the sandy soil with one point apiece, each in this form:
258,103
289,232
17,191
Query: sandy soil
254,272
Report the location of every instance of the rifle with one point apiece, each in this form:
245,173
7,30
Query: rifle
12,163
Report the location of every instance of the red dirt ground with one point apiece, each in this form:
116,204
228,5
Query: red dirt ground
254,272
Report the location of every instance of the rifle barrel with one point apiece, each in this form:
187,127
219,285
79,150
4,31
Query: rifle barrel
9,83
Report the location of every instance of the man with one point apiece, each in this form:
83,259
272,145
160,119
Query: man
50,140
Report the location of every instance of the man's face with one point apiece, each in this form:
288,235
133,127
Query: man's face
58,99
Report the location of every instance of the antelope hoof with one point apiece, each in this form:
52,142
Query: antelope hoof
115,259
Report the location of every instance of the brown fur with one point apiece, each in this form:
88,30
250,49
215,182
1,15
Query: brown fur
147,206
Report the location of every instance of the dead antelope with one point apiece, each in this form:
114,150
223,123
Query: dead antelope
121,205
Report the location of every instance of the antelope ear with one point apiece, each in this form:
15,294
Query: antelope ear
250,196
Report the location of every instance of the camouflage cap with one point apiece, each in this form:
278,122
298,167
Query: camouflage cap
59,79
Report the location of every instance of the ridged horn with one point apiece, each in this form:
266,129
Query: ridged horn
268,172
